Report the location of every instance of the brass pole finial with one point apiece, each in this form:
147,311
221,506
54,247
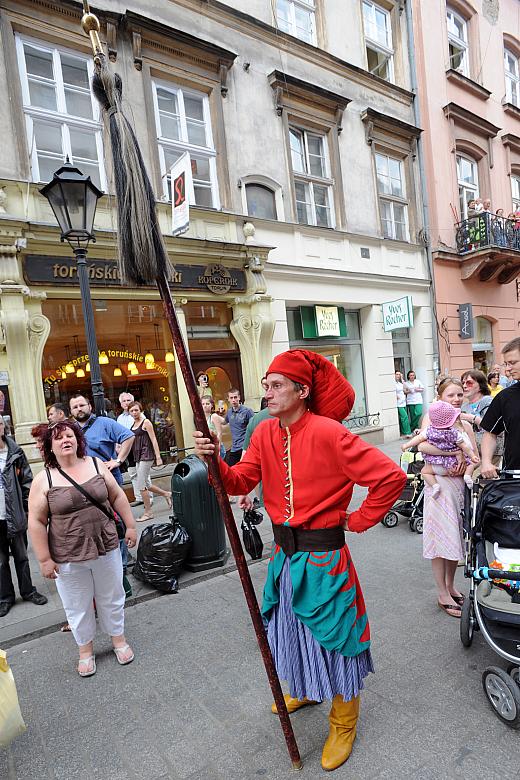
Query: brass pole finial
91,27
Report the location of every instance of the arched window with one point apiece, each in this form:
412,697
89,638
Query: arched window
261,201
467,178
512,75
458,41
483,345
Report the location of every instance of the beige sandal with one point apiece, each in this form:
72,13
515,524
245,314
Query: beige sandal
144,518
85,662
123,649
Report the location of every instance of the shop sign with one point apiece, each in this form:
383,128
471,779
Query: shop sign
467,330
327,320
323,321
119,355
398,314
105,273
181,189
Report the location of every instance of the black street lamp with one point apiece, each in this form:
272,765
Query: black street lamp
73,199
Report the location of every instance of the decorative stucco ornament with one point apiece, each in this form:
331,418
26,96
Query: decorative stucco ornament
491,9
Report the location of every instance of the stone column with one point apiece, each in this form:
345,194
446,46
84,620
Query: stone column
25,330
253,328
253,324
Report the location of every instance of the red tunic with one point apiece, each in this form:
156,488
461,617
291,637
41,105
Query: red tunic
309,471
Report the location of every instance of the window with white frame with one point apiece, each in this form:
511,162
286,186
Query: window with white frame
515,192
467,178
512,75
458,46
61,114
298,18
312,179
183,124
393,204
378,40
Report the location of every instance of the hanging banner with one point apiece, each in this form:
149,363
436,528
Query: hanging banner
398,314
182,186
466,321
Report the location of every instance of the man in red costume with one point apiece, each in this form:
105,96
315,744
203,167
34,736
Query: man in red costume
309,462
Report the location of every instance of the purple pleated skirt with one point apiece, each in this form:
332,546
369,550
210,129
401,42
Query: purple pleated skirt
309,669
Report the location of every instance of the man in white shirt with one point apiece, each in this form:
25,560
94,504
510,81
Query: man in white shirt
126,419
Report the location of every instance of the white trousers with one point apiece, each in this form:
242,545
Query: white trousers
132,473
101,579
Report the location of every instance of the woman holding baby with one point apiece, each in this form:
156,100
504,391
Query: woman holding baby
443,507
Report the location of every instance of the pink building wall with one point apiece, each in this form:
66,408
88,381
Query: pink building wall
444,136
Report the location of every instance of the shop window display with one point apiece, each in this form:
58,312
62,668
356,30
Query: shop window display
136,355
345,352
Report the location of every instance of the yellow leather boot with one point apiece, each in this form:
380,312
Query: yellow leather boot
293,704
342,732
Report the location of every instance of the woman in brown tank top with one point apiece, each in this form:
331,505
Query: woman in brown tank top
75,541
145,450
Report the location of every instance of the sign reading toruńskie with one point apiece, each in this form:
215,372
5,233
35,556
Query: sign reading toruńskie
59,271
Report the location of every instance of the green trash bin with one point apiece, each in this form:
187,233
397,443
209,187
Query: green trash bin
195,507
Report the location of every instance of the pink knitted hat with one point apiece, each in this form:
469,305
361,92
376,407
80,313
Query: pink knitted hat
442,415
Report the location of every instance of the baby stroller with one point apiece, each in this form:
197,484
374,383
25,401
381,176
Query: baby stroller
492,530
410,504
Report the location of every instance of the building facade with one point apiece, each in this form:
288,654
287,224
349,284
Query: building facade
306,212
470,110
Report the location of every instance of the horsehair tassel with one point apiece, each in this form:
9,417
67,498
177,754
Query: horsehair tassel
142,253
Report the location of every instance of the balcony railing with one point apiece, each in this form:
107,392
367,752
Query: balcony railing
487,230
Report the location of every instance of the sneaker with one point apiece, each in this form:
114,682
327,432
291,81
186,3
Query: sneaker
5,606
136,503
37,598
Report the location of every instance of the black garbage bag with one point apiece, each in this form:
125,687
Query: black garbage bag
162,550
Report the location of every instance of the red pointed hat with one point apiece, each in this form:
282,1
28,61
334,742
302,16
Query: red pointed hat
331,394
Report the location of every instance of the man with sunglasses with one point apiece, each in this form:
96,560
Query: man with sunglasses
503,415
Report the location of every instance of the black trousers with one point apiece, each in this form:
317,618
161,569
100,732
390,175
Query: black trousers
17,547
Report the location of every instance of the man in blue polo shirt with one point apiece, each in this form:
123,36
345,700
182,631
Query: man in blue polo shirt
102,435
237,417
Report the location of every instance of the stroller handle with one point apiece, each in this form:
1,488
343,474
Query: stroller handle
485,573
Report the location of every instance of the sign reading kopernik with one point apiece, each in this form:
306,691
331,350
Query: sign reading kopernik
398,314
182,187
105,273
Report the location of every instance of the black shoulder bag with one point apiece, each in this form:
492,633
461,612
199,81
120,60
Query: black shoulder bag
120,526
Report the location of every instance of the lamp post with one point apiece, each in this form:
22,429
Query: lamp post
73,199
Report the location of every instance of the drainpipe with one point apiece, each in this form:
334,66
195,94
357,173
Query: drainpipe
422,177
